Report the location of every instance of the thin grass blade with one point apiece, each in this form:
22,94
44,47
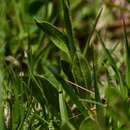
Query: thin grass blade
68,25
99,108
2,127
127,72
112,62
64,113
92,32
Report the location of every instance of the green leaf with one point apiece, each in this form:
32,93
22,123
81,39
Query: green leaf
50,92
67,69
18,109
91,34
127,72
17,112
63,109
97,94
68,25
68,89
67,126
57,37
64,114
37,91
81,71
112,62
2,127
118,106
99,109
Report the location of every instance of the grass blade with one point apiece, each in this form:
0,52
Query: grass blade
37,91
127,73
122,88
91,34
57,37
64,114
99,110
81,71
69,90
111,60
63,109
97,95
2,127
68,25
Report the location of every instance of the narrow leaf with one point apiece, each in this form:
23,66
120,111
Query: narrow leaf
64,113
91,34
99,110
68,89
68,25
127,73
97,95
1,103
63,109
57,37
122,88
110,58
81,71
37,92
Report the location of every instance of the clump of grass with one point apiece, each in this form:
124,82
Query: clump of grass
49,80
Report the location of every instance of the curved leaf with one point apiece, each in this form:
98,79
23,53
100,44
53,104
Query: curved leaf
57,37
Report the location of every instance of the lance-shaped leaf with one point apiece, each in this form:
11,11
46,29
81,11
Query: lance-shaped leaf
64,114
68,25
92,32
81,71
57,37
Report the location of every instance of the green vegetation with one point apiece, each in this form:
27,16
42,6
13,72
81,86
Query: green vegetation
64,65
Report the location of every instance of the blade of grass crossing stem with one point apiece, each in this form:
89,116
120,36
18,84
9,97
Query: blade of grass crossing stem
91,34
57,37
69,90
110,58
127,73
68,25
